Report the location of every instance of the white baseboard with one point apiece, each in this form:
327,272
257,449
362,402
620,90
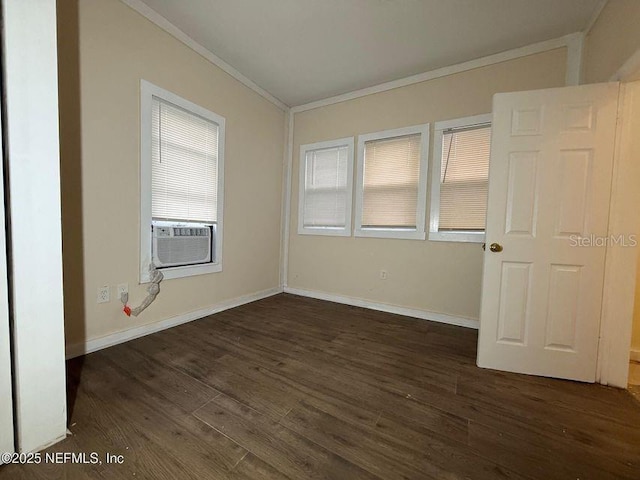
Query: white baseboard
384,307
635,355
95,344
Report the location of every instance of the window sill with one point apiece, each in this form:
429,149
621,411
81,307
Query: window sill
390,233
186,271
465,237
326,231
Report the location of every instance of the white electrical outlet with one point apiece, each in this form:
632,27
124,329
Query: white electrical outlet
103,294
383,274
122,288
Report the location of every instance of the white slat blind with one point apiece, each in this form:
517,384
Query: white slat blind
325,187
390,187
464,179
184,165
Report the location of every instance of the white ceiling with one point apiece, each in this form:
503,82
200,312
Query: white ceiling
305,50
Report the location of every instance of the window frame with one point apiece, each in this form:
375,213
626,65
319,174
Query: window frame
147,92
436,168
302,167
400,233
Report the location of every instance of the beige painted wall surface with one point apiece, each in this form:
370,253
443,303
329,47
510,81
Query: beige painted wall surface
612,40
634,148
635,333
105,48
439,277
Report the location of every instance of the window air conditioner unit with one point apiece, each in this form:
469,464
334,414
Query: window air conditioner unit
181,244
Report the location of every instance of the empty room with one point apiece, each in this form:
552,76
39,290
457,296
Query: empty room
320,239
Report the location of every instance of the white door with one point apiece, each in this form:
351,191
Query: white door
6,400
549,190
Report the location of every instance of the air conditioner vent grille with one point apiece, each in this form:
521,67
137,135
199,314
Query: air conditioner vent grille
181,245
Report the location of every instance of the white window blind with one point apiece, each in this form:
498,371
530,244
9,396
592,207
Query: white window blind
325,187
464,178
391,182
184,157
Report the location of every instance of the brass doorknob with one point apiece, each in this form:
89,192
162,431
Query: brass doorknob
495,247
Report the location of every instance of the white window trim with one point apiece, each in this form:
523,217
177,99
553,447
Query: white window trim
329,231
436,157
147,91
404,233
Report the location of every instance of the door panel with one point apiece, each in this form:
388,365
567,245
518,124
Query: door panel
521,199
514,297
564,295
549,185
575,180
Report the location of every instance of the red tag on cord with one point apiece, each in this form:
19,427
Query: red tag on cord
127,310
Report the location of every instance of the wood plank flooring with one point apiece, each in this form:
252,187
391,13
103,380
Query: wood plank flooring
295,388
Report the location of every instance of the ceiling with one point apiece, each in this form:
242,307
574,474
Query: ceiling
306,50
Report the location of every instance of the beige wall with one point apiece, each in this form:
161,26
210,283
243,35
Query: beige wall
635,333
105,48
431,276
612,40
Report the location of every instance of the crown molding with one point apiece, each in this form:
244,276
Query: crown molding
154,17
595,15
571,42
630,67
575,52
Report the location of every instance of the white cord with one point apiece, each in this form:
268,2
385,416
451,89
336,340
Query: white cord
153,290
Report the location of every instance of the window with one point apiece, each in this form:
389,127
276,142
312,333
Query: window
460,179
326,183
182,167
391,186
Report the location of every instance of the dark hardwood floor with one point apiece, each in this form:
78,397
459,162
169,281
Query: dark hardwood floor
297,388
